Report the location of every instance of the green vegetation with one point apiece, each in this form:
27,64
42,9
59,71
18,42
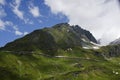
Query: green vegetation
56,54
75,64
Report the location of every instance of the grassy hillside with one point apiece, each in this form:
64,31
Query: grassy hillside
56,54
74,64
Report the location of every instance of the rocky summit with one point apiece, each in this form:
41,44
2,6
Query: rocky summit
115,42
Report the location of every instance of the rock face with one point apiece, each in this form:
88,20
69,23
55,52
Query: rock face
117,41
50,39
111,51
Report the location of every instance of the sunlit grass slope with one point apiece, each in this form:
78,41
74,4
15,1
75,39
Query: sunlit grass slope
75,64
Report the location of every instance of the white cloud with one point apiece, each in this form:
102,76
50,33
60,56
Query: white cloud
2,2
16,10
18,33
2,15
101,17
2,25
34,10
2,12
25,33
19,13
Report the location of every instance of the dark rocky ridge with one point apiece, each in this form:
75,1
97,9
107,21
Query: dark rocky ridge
115,42
111,51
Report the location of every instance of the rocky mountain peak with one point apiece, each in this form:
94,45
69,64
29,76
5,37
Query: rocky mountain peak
115,42
60,36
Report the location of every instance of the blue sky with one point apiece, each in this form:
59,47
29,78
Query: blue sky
20,17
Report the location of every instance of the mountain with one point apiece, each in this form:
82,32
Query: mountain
49,40
113,49
115,42
73,56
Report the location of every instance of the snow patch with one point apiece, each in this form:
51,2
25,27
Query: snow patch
96,47
86,47
83,40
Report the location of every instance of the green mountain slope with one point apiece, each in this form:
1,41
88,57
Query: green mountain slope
49,40
56,53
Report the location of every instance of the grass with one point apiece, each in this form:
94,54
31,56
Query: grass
80,65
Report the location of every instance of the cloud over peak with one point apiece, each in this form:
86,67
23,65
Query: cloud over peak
101,17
